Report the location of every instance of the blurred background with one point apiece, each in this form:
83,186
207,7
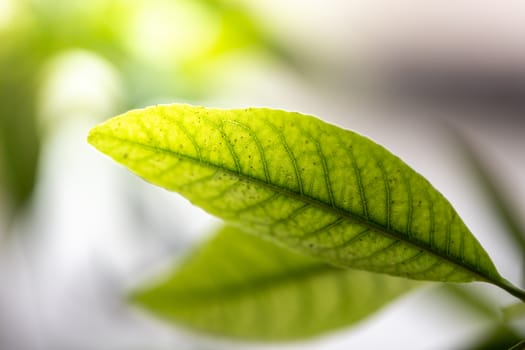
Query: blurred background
441,84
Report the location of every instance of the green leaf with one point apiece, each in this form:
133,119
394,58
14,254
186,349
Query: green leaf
514,312
299,181
19,136
238,285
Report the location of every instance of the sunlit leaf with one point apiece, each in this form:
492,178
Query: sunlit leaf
238,285
292,178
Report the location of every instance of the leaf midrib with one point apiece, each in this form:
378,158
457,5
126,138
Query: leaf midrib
394,234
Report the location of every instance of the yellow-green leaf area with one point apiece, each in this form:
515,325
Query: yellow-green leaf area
294,179
238,285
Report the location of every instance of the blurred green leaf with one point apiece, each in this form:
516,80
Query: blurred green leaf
325,191
514,312
93,25
238,32
239,29
19,137
238,285
39,32
43,29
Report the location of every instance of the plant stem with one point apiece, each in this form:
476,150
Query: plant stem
518,346
512,289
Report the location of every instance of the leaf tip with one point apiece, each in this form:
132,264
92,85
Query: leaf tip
135,297
94,135
102,136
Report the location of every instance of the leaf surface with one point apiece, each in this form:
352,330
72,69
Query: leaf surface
301,182
239,285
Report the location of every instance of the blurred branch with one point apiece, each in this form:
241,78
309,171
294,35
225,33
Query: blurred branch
500,336
502,205
474,301
519,346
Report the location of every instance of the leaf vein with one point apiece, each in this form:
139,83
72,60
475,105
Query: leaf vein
359,180
326,173
292,157
192,183
321,229
353,239
388,208
228,143
259,146
483,275
190,137
378,252
410,203
259,204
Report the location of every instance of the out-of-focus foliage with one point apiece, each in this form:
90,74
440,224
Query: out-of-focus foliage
238,285
501,338
489,183
500,335
20,61
514,312
161,48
